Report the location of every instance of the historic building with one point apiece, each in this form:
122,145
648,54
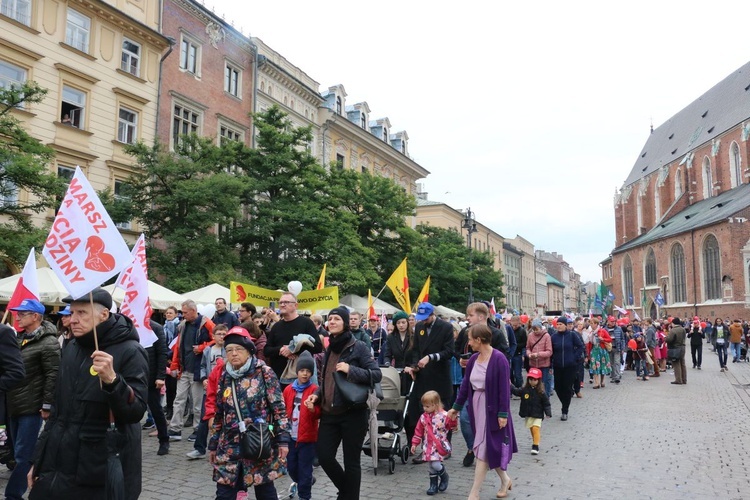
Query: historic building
555,294
540,287
512,277
528,281
207,84
99,61
559,269
682,217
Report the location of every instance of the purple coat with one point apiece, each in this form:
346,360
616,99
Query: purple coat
497,395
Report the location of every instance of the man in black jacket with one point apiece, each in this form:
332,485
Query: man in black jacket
431,363
12,373
158,354
70,460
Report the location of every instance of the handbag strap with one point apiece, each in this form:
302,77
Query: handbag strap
234,395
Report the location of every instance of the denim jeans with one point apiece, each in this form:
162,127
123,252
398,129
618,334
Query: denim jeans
548,380
721,350
300,466
615,359
641,368
517,369
736,350
24,431
465,423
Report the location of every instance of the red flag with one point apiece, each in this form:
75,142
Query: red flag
136,304
27,286
493,311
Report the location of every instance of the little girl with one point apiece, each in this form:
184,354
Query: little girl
534,405
432,429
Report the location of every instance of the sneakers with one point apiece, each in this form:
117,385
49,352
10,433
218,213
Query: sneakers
149,424
535,449
193,437
195,454
175,435
163,449
469,459
564,416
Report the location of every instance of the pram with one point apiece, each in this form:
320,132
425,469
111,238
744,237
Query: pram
391,415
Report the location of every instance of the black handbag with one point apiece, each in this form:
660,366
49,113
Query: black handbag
675,352
255,440
352,393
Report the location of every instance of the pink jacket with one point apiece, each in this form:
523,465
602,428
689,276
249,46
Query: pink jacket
432,429
543,349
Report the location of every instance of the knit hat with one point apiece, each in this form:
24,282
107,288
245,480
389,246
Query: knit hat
562,320
305,362
536,323
400,315
343,313
241,337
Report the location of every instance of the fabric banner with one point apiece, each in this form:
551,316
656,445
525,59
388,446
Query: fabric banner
26,288
424,295
136,304
370,308
399,285
322,279
84,248
325,298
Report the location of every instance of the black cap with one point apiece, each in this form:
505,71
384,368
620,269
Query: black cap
342,312
676,321
99,295
562,320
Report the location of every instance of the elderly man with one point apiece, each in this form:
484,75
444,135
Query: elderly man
282,332
70,460
32,399
195,332
376,334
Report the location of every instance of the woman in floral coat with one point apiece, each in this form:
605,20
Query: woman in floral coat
259,397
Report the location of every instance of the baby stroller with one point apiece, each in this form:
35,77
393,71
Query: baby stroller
391,415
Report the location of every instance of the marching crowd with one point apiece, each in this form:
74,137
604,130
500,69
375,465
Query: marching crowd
271,392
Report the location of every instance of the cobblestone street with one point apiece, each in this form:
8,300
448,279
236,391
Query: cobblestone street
659,440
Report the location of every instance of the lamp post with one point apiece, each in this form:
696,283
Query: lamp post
470,224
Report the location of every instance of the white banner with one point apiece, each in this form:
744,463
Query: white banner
136,304
84,247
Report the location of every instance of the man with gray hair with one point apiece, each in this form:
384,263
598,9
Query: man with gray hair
194,334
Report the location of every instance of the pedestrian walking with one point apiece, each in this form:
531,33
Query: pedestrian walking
676,346
432,432
696,337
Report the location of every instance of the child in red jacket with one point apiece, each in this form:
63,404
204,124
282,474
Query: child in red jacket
304,426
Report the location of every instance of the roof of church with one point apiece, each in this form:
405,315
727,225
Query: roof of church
718,110
704,213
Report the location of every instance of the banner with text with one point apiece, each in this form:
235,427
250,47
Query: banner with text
325,298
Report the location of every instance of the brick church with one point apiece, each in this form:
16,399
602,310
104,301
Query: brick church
682,217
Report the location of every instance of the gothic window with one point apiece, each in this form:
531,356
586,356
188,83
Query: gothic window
657,205
735,165
627,280
678,184
711,268
708,179
650,268
677,261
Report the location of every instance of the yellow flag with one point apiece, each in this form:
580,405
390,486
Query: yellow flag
399,285
424,295
322,279
370,308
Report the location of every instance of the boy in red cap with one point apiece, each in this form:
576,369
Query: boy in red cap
534,405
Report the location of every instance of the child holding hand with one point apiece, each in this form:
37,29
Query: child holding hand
432,430
534,405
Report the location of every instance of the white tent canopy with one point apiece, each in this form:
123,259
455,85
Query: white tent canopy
159,296
360,304
447,312
51,288
207,294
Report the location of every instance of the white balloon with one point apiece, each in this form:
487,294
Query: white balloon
294,287
209,310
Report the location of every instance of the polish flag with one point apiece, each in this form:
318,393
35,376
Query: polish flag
27,286
136,304
493,311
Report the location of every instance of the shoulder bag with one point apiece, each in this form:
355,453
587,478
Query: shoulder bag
526,362
353,393
255,440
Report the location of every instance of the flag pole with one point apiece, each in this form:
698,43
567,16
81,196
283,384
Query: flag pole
381,290
96,339
5,316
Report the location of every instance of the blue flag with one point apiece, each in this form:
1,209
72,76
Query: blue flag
610,296
659,299
598,302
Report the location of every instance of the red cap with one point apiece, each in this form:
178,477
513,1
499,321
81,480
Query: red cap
238,330
374,317
611,318
535,373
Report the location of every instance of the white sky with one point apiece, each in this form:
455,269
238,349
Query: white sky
531,113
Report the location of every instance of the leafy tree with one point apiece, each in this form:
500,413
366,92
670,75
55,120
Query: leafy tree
181,199
23,169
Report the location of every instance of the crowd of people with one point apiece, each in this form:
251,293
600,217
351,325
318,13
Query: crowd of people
272,392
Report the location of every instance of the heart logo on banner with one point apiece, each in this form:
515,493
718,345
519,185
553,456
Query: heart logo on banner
97,259
241,294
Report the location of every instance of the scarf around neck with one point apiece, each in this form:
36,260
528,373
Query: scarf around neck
338,342
241,371
301,388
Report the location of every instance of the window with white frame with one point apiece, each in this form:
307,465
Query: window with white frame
66,173
127,126
708,178
229,134
131,57
735,165
8,190
78,30
20,10
232,80
73,107
185,121
189,54
120,188
12,76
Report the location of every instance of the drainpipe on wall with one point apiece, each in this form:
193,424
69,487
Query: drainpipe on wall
172,43
323,131
256,63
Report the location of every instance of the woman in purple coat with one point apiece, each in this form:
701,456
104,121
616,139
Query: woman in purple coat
486,386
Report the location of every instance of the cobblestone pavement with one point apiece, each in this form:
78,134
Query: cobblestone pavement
633,440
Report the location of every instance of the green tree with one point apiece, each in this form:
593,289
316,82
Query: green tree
182,199
23,169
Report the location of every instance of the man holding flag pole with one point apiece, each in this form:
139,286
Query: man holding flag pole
91,445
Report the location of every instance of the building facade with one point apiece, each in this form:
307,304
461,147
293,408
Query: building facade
99,61
682,217
512,282
528,273
541,288
555,296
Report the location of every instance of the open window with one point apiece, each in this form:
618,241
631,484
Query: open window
73,107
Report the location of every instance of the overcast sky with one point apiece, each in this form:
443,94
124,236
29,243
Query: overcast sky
531,113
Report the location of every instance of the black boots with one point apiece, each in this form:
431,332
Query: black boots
443,475
433,484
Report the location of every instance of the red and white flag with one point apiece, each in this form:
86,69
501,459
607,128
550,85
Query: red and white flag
136,304
27,286
493,311
84,248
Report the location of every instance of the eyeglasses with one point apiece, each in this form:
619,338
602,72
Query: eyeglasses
23,314
286,303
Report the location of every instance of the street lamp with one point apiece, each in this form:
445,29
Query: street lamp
470,224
